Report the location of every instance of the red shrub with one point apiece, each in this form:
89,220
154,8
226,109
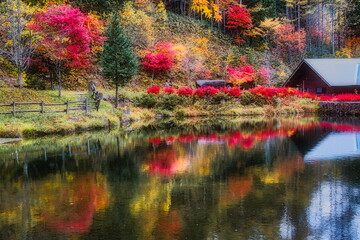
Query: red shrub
264,91
306,95
347,97
184,91
205,91
153,90
326,98
269,92
169,90
234,91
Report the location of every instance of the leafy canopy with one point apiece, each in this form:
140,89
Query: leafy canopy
68,35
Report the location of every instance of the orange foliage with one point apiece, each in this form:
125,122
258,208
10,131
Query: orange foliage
170,224
76,204
287,39
237,189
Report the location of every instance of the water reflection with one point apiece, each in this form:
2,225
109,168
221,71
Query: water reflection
237,179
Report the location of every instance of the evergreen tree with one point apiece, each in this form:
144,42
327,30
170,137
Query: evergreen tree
118,59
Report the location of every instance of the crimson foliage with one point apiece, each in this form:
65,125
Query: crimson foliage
154,90
67,35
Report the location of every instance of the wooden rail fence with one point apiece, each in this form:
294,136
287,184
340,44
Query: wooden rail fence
84,105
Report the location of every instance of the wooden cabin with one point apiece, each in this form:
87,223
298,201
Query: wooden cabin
326,76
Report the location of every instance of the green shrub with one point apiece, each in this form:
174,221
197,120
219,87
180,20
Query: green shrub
276,101
218,98
145,100
163,113
247,98
35,82
180,113
169,101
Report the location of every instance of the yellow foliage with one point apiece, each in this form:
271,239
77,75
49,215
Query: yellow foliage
152,194
208,9
343,53
144,4
181,51
139,26
270,23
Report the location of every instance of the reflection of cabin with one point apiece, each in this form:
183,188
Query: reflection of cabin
212,83
316,144
326,76
336,145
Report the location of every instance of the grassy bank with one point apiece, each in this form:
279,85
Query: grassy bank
36,124
201,108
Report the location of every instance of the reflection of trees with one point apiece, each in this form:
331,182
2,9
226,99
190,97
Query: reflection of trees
70,206
64,205
196,183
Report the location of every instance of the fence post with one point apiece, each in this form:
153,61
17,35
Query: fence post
67,107
42,107
86,105
98,105
14,107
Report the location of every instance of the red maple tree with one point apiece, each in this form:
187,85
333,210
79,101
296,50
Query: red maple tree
68,37
160,59
239,19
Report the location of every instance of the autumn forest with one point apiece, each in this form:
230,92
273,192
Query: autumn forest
67,43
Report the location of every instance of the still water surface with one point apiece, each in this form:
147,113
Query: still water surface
201,180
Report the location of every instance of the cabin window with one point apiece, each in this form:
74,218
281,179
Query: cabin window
319,90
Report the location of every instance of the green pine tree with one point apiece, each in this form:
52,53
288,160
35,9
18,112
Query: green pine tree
118,59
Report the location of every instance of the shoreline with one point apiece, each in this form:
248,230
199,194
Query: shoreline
20,127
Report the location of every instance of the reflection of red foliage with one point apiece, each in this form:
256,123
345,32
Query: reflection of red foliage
331,126
340,127
76,205
163,162
155,140
239,187
186,138
247,142
170,225
210,138
287,168
170,140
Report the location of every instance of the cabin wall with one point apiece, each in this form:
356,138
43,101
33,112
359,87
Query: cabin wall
306,79
346,89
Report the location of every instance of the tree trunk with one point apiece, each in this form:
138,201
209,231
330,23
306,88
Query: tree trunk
60,81
117,96
20,78
58,69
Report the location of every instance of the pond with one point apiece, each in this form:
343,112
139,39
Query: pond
198,180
